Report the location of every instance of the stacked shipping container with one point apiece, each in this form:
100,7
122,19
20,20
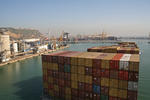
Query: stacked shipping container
114,49
69,75
123,47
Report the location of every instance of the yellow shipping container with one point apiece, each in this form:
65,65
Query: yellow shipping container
81,78
68,91
74,61
89,56
45,85
85,58
81,61
88,79
67,97
51,93
122,94
88,62
74,84
113,92
106,59
50,66
113,83
74,69
134,62
50,79
55,66
123,84
74,77
105,64
44,64
45,72
81,69
104,81
134,66
56,88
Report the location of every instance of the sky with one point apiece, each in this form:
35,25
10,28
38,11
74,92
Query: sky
116,17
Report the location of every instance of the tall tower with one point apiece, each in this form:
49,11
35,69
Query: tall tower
5,43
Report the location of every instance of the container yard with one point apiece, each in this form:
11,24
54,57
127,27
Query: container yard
122,47
72,75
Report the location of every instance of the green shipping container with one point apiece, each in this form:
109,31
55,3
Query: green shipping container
104,97
67,68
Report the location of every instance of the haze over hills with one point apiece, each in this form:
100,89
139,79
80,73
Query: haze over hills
20,33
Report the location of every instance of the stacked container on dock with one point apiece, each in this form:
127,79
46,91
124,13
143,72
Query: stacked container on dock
70,75
125,47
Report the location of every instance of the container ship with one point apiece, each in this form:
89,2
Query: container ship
73,75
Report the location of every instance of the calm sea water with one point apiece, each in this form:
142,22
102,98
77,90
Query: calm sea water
23,80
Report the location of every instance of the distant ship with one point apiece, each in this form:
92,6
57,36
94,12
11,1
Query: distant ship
149,38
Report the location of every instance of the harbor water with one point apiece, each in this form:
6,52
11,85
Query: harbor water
23,80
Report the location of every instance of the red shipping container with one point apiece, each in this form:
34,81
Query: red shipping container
54,59
61,75
114,74
61,83
55,81
81,86
61,92
88,71
61,60
96,72
74,92
88,87
132,95
61,67
66,60
133,76
49,72
96,63
61,57
66,56
113,98
74,98
96,80
54,56
104,73
67,84
44,58
50,86
48,58
45,79
80,98
96,97
67,76
45,90
114,63
122,99
81,94
56,93
104,90
123,75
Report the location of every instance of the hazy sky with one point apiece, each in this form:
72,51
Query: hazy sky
117,17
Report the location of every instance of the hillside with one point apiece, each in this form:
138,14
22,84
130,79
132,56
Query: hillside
23,33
